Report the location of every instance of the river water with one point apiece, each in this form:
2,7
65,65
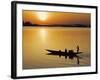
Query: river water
36,39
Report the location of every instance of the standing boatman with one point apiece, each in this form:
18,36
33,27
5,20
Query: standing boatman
77,48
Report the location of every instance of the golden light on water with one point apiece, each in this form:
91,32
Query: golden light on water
43,33
42,15
37,39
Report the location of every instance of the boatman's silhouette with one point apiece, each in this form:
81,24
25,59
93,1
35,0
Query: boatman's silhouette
77,48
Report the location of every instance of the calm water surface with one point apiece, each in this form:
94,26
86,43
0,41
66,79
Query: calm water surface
37,39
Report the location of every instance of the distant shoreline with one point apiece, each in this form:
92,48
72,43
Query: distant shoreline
59,26
56,25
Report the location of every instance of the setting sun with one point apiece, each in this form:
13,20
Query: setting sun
42,15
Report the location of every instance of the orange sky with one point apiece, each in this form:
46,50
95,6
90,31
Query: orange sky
56,18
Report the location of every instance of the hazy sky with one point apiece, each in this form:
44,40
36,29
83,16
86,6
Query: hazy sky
49,18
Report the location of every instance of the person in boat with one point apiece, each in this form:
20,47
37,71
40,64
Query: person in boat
77,48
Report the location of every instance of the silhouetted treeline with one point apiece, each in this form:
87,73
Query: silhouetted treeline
55,25
28,24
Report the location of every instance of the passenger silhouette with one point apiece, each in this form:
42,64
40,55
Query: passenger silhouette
65,50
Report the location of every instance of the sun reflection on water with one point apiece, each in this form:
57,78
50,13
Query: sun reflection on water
43,34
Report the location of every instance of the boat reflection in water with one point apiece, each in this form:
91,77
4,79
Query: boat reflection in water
70,53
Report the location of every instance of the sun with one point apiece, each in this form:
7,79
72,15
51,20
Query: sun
42,15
